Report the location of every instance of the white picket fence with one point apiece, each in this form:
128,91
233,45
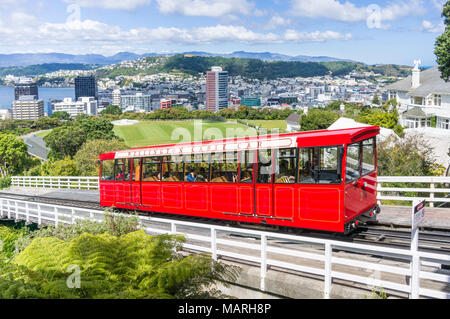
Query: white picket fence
71,182
266,250
396,192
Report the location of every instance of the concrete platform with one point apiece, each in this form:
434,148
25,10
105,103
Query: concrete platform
438,218
71,194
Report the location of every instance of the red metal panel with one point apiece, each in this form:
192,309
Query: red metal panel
107,197
172,195
224,198
196,197
320,204
136,193
285,200
151,194
246,199
120,189
263,194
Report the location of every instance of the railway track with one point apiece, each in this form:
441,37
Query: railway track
434,241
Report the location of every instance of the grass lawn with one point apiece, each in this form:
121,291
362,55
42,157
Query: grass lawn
43,133
148,133
269,124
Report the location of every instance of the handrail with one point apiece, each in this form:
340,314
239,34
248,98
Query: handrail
210,239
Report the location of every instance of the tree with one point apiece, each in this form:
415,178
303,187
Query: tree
64,167
61,115
317,119
96,127
65,141
411,156
112,109
45,123
88,155
376,99
13,155
442,45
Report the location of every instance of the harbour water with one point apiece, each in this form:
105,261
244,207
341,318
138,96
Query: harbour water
7,95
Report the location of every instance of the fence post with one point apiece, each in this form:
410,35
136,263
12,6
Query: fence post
173,228
263,262
55,210
17,210
73,215
432,186
39,214
27,213
328,278
213,243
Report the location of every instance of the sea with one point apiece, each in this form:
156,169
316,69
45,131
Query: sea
7,95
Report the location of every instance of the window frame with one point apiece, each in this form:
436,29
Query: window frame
144,162
340,151
296,163
374,145
113,170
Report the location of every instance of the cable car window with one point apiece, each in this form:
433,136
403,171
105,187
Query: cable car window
196,168
151,169
119,167
136,177
264,167
107,170
173,169
353,167
368,156
246,167
320,165
224,167
285,167
127,171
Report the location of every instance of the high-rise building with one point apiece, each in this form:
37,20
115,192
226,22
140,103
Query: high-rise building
25,88
216,89
86,86
27,107
116,97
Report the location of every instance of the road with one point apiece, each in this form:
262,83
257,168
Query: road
36,145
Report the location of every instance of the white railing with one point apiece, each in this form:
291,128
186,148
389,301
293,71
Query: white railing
325,260
396,192
72,182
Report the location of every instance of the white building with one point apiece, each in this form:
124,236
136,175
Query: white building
116,97
5,114
216,89
424,99
136,103
84,105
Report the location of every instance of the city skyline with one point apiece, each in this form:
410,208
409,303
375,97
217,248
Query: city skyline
396,31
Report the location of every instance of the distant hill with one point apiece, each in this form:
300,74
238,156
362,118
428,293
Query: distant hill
194,63
40,69
25,59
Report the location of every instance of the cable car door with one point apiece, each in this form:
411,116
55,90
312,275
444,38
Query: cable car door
263,184
136,182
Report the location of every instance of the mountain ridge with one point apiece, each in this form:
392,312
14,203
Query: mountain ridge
26,59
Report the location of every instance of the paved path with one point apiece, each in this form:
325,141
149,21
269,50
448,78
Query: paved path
36,145
401,216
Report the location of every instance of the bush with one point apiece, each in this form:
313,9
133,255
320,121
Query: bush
9,236
5,182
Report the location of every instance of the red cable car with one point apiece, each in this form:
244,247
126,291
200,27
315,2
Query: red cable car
322,180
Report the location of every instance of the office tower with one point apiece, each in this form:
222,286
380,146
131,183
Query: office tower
84,105
86,86
25,88
27,107
216,89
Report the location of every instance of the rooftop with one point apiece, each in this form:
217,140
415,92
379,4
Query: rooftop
430,83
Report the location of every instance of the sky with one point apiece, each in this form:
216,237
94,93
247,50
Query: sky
373,32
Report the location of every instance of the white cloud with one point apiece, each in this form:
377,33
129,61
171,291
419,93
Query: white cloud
207,8
428,26
349,12
21,32
317,36
111,4
277,21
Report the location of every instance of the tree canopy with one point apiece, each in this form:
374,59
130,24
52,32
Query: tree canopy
442,46
13,155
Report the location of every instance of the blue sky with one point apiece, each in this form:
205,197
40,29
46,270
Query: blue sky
388,31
